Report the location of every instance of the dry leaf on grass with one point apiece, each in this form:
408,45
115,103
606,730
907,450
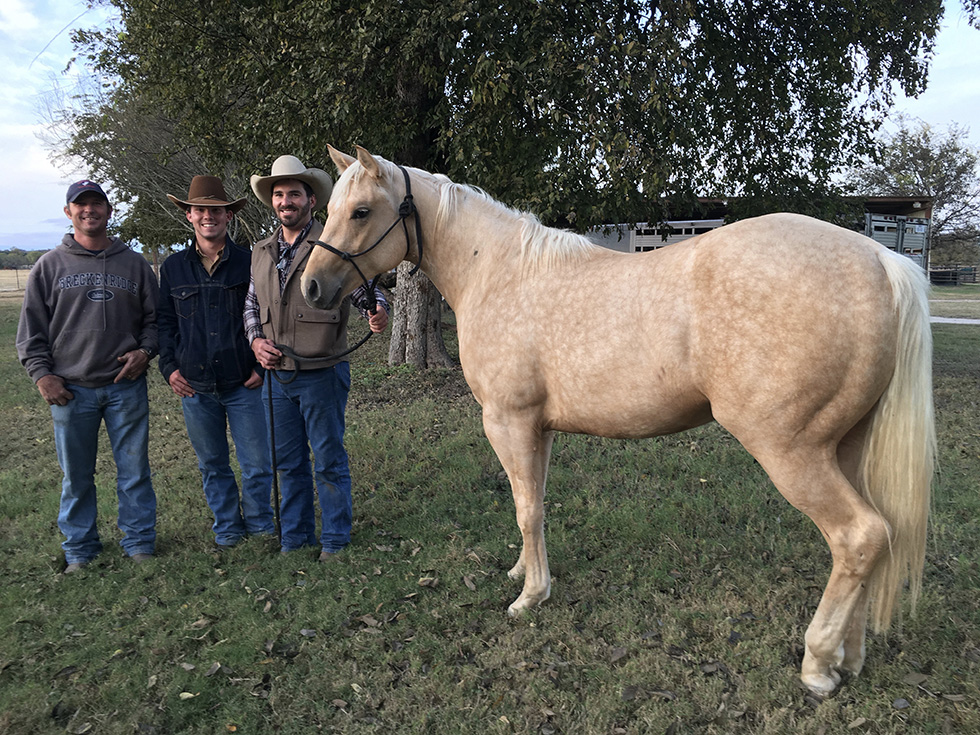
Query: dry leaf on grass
915,679
617,653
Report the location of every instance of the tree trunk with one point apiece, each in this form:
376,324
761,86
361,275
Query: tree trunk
416,326
416,323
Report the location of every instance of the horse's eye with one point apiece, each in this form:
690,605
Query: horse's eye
360,213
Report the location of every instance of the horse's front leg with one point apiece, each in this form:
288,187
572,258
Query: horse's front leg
524,450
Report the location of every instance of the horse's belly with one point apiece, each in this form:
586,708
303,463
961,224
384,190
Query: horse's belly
626,409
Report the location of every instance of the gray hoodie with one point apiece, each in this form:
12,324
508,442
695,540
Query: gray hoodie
83,309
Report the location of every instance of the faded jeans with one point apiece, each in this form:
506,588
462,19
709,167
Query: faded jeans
125,409
309,413
206,416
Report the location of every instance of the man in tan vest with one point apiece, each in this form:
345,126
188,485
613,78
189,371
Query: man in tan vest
308,410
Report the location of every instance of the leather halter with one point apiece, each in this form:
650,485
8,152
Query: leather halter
406,209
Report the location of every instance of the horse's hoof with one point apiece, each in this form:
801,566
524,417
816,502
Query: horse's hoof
518,606
524,602
821,685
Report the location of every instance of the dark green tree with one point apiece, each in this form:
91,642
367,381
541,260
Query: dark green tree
582,111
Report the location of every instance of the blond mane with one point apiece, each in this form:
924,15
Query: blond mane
541,246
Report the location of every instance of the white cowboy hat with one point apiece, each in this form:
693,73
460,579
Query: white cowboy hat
290,167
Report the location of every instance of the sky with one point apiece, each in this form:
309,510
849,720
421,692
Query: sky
35,47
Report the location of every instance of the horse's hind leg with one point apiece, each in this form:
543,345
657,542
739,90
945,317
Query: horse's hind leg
813,482
524,452
849,453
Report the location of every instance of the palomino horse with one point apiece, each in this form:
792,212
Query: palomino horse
808,342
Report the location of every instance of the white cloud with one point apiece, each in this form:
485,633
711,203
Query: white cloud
16,18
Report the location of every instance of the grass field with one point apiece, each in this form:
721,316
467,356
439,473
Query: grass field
682,586
12,280
960,302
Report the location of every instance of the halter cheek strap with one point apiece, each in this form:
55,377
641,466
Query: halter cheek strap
406,209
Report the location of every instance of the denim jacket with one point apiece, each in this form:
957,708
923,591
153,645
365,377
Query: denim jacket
200,319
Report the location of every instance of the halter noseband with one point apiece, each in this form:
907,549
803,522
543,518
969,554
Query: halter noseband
406,209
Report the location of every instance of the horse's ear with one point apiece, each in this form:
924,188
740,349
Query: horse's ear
341,160
368,161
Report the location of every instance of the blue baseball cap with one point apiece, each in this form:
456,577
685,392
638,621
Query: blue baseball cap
83,186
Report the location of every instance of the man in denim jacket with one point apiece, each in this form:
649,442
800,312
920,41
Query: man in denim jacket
206,359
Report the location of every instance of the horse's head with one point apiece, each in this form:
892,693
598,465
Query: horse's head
361,238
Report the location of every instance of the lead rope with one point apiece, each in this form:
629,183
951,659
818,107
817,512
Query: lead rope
275,465
372,307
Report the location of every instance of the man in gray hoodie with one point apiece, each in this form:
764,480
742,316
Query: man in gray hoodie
86,335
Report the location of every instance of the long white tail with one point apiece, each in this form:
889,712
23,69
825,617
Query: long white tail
900,450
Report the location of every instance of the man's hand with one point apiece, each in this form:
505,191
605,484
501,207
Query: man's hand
254,381
378,320
134,363
52,389
179,385
266,353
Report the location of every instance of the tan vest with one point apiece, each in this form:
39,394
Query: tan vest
286,318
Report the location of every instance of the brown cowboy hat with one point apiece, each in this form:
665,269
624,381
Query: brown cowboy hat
207,191
290,167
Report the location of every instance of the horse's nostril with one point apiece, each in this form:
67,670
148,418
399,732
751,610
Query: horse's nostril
312,289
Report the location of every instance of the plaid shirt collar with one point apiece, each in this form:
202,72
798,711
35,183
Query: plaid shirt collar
287,251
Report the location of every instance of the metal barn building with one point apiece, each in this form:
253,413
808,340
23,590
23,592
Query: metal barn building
899,223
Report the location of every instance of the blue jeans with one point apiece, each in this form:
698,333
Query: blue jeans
309,413
125,409
206,416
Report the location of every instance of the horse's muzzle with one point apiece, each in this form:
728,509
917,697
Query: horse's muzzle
321,295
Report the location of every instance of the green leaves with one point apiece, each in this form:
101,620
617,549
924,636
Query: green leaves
581,111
